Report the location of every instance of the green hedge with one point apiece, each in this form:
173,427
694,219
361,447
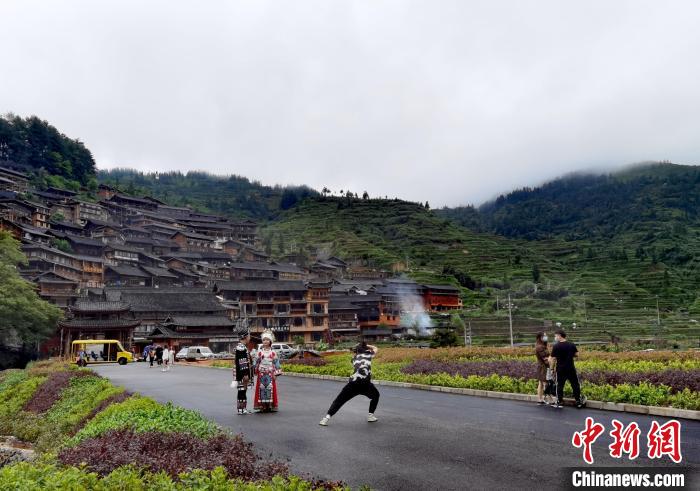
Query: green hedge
50,477
643,393
144,414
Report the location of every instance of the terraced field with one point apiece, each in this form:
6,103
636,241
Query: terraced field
602,287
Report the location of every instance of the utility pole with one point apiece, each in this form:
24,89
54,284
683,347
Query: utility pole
465,336
470,333
585,309
658,316
496,303
510,319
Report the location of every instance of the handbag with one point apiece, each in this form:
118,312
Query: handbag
234,384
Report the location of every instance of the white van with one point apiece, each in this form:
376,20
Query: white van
199,353
283,350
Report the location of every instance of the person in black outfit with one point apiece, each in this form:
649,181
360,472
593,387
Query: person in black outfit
159,355
242,373
564,352
360,383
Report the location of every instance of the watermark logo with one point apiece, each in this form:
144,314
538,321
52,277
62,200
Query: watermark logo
662,440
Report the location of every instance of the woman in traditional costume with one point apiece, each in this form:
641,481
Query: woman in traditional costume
267,368
242,373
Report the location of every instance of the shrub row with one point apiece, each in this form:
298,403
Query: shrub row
52,477
677,380
49,392
311,362
480,353
172,453
518,380
141,414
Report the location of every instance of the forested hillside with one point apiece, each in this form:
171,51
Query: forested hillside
589,206
36,147
233,196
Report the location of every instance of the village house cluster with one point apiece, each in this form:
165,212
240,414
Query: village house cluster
139,270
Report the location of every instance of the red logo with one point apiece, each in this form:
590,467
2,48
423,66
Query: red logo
665,440
661,440
587,438
624,440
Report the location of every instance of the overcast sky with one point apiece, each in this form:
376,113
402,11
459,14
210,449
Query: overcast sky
451,102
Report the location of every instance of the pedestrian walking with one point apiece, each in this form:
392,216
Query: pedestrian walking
151,355
542,355
159,355
360,383
171,360
564,352
242,373
166,359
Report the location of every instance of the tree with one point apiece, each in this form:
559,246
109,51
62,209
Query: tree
427,205
365,195
57,217
443,337
26,318
535,273
61,245
289,199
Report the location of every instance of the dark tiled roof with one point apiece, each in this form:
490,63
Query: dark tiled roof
192,235
169,300
162,332
158,272
262,285
99,306
99,323
14,172
128,271
184,272
88,241
200,321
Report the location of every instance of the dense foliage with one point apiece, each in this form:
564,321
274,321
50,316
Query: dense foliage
232,196
53,477
26,318
35,146
141,414
172,453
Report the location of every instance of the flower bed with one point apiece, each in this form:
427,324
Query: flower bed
93,433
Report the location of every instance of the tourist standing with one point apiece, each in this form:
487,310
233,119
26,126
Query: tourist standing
171,360
564,352
159,355
360,383
267,369
151,355
166,359
542,355
242,373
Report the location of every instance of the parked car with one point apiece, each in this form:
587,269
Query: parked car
283,350
196,353
182,354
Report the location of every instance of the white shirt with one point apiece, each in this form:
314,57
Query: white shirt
166,354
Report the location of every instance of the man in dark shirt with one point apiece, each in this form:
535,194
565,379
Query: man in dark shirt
565,352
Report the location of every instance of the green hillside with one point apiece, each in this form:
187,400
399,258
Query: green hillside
233,196
51,158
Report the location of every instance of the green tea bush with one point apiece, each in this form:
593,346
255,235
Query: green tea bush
144,414
12,398
51,477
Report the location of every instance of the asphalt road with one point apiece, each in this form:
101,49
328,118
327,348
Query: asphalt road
423,440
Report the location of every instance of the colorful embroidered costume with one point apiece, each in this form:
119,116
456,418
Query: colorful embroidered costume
267,368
